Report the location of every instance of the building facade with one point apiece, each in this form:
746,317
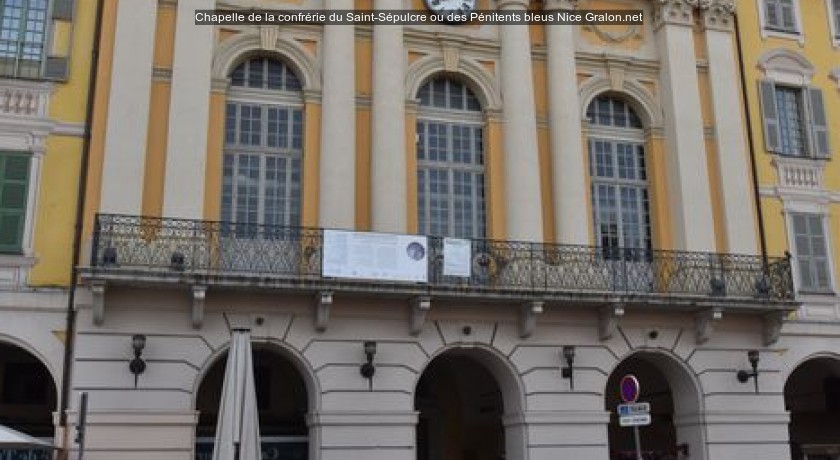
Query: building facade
791,57
597,178
45,64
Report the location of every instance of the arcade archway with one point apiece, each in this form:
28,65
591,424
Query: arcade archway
673,396
462,399
812,395
28,396
282,401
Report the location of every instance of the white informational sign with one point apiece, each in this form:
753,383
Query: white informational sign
634,420
633,409
457,257
375,256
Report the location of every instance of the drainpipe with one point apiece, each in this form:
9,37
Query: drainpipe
70,326
762,236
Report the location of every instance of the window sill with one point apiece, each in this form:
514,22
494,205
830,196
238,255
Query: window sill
9,260
815,294
783,34
803,158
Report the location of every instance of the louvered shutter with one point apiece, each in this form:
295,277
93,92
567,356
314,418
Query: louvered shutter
818,124
772,135
14,174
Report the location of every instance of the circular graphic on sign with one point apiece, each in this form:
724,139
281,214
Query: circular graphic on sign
629,389
416,251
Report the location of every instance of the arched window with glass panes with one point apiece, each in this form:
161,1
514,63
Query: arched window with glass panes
450,160
618,172
263,145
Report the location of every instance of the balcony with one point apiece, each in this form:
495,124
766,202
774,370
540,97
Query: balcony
146,250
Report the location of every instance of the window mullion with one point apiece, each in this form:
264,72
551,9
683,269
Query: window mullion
263,162
450,173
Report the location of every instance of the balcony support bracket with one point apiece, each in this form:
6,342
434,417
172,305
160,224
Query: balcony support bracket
704,324
528,317
323,304
199,294
773,327
419,308
97,288
608,320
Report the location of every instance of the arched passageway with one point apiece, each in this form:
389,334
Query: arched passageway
672,394
462,402
28,398
281,399
812,395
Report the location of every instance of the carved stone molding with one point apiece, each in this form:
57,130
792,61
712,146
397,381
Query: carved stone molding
199,295
420,307
553,5
268,37
323,303
631,31
674,12
528,318
704,324
773,323
608,320
97,289
719,15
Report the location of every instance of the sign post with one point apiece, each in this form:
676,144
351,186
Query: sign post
630,413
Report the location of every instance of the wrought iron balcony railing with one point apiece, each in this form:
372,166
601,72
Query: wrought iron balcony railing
214,250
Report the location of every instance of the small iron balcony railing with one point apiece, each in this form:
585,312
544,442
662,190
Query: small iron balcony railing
155,245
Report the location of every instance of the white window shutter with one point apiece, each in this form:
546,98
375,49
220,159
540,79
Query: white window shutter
818,124
770,114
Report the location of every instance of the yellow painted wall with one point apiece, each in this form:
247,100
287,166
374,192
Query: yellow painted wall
93,188
59,182
818,49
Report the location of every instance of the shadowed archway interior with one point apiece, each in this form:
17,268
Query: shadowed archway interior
461,410
675,400
27,393
812,395
281,400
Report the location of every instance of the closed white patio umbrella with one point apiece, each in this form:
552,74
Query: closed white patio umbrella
238,427
11,439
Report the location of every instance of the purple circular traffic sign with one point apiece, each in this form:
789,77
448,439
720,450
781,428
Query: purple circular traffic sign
629,388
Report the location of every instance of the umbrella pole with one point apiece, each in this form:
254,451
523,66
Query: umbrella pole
235,451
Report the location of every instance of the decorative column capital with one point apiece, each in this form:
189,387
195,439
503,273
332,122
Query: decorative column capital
513,5
553,5
677,12
719,15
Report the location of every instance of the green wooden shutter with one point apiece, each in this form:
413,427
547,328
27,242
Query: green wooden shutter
817,124
14,187
772,134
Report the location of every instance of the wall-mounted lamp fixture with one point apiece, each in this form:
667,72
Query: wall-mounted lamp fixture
137,366
568,371
367,370
745,376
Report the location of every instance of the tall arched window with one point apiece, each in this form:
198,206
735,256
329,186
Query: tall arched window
450,161
618,173
263,145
